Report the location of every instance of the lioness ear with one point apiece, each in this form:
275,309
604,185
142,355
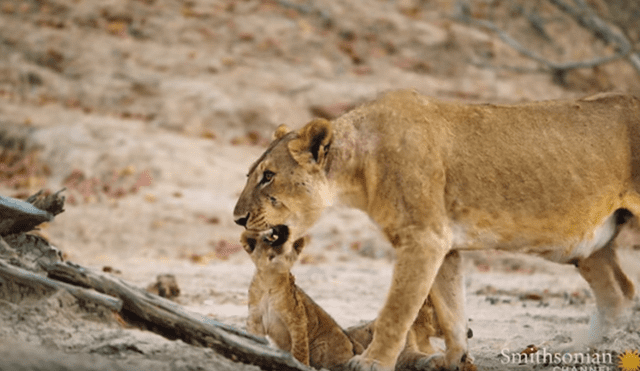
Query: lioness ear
299,244
312,143
281,131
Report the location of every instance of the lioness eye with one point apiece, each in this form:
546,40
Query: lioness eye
267,176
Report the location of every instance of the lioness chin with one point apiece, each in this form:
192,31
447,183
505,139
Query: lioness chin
556,179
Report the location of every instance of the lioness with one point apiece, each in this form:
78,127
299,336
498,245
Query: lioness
556,179
280,309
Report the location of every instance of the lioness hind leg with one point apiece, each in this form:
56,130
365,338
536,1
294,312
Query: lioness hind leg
611,286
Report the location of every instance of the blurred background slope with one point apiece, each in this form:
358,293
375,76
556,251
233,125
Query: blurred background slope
150,111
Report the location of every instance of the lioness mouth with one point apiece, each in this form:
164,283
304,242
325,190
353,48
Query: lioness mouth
278,236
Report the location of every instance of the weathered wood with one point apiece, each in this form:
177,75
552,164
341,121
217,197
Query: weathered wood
52,203
28,278
20,216
170,320
17,216
28,251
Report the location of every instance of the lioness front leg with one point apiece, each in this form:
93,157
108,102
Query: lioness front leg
417,263
447,299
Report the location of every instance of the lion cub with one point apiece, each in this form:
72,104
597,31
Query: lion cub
279,309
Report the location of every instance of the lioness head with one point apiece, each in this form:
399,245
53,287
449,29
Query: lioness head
287,187
271,257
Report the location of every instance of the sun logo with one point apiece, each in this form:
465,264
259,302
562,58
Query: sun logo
629,361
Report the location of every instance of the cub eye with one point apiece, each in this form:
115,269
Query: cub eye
267,176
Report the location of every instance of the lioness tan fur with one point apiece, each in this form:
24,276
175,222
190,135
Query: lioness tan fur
280,309
557,179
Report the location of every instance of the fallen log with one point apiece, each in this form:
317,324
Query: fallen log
170,320
25,277
19,250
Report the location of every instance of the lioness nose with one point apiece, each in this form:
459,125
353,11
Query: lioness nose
242,221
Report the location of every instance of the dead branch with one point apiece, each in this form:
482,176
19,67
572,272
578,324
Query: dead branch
53,203
535,20
170,320
20,216
308,9
585,17
590,21
634,59
31,279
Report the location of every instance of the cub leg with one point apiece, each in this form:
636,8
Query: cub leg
300,342
361,334
254,321
332,350
426,325
297,323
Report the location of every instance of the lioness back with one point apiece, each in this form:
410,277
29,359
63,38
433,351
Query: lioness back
537,177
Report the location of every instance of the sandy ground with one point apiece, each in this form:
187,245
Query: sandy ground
150,113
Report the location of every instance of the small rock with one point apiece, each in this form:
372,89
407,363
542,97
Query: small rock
165,286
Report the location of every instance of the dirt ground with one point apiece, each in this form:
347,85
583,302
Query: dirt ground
150,112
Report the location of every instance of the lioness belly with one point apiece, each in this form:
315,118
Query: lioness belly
545,242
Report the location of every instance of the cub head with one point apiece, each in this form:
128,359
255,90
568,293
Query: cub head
287,187
268,254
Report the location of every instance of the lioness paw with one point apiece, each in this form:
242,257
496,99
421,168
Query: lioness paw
427,363
360,363
435,362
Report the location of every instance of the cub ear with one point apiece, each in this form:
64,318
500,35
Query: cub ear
299,244
312,143
281,131
249,243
